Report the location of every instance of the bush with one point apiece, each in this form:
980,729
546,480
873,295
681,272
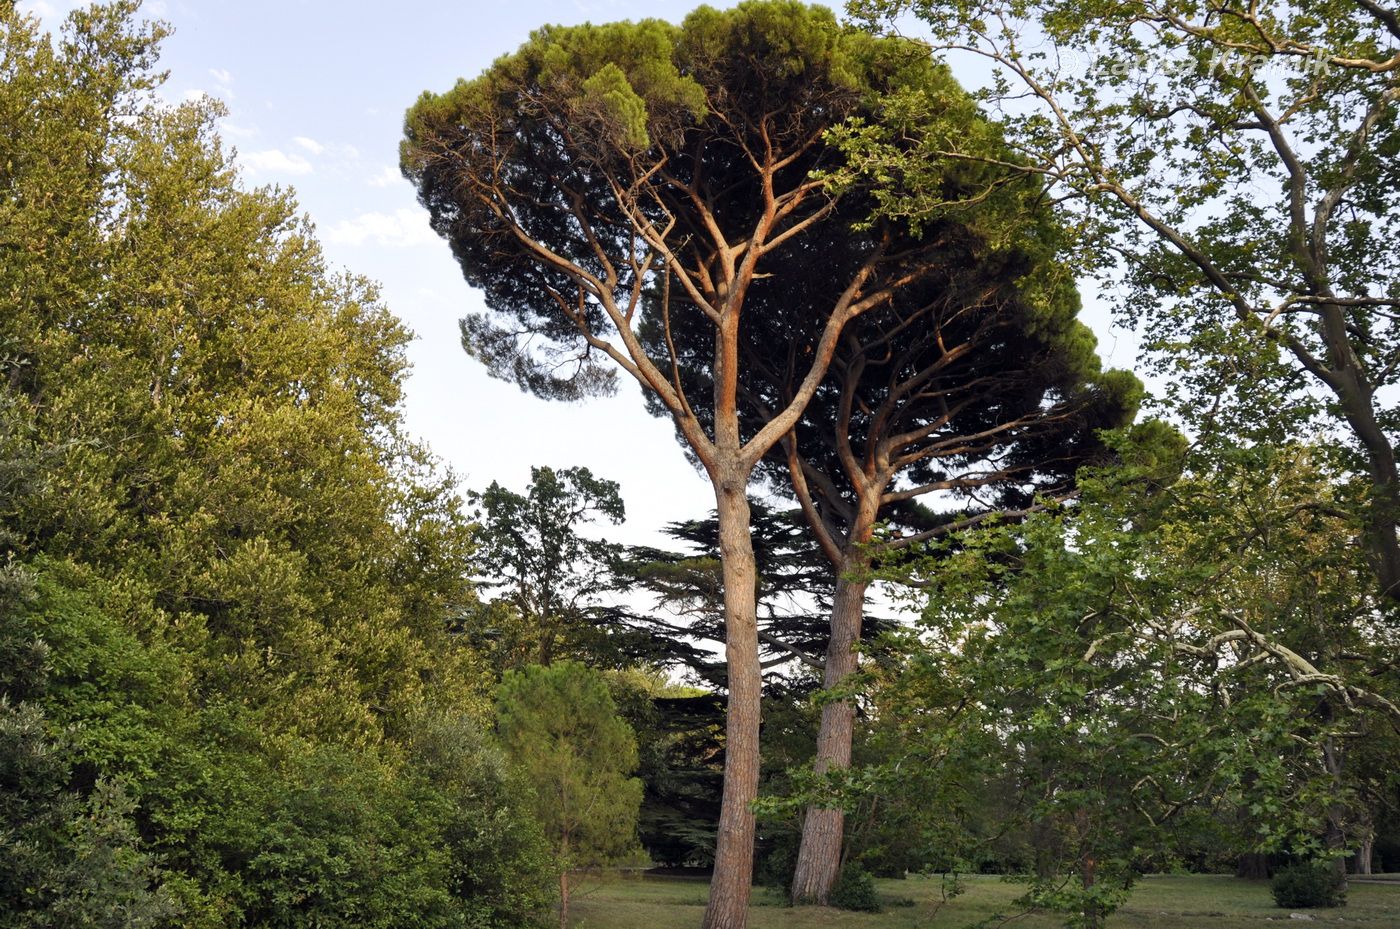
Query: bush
855,890
1309,884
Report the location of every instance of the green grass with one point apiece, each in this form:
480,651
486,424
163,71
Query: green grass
1159,902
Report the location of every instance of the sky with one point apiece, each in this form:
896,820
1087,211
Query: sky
315,93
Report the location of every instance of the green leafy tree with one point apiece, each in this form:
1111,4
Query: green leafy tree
1268,548
1239,161
242,569
530,548
597,170
215,367
560,726
1118,669
70,849
499,867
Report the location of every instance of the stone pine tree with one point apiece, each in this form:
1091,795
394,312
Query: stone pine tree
982,414
598,165
561,728
975,386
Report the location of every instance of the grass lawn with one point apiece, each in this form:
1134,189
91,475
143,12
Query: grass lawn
1159,902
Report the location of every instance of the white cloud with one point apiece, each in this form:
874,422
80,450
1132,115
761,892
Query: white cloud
311,145
404,228
50,14
222,78
274,161
387,177
194,95
237,131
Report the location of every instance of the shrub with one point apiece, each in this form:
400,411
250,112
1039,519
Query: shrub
855,890
1309,884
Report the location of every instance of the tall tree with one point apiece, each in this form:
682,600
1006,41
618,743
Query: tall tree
242,566
985,407
601,164
975,387
224,411
561,728
1237,161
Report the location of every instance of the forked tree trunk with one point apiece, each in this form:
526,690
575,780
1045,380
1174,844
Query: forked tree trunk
733,875
823,829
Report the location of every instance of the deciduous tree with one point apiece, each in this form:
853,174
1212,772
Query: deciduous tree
530,548
1237,163
243,568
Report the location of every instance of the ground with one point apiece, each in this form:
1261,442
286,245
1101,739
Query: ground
1158,902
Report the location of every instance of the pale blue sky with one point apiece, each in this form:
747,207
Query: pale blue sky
316,93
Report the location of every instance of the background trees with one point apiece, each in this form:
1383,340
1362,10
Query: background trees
529,547
685,612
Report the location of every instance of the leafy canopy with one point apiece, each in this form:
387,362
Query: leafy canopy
598,164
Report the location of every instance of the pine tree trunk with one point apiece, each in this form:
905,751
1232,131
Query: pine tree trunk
564,899
733,875
819,856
